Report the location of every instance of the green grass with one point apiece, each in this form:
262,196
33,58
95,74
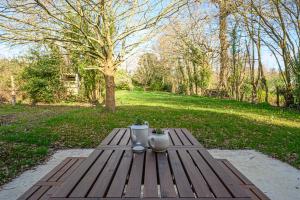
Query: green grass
215,123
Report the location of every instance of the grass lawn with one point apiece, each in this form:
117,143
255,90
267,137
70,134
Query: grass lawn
35,131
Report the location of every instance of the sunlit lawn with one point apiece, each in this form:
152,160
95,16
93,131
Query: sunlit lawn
215,123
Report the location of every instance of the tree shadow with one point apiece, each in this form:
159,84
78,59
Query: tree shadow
213,104
87,126
219,130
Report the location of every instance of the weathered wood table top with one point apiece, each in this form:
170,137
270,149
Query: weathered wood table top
186,170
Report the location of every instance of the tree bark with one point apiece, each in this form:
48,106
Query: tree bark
289,97
173,89
251,62
195,78
223,13
277,96
260,68
110,102
13,91
190,78
184,77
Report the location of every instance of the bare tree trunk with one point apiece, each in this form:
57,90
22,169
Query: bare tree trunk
262,75
260,68
195,78
251,62
110,102
190,77
277,96
173,77
264,82
77,84
184,78
173,89
13,91
289,97
98,91
92,94
223,13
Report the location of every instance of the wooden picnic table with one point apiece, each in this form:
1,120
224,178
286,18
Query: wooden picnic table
186,170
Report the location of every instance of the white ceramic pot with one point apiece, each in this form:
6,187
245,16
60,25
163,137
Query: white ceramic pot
159,142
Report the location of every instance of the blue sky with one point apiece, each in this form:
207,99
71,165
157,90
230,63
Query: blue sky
7,51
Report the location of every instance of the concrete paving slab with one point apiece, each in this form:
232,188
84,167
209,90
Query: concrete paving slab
278,180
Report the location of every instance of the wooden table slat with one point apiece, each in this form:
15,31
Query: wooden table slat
87,181
117,186
39,193
113,171
55,170
61,172
211,178
44,194
171,144
256,193
118,137
182,182
200,186
102,183
150,177
174,137
165,177
235,189
110,136
136,175
182,137
193,140
252,190
71,182
236,172
231,174
71,169
29,192
49,193
125,138
168,198
126,147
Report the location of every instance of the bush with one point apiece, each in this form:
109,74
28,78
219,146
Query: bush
297,87
123,80
296,79
167,87
41,79
3,97
182,88
156,86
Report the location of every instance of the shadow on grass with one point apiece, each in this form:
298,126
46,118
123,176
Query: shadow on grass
223,105
87,126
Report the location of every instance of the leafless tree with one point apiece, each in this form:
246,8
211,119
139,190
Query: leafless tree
105,30
279,21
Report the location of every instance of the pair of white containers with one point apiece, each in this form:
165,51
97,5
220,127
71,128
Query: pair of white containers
141,139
